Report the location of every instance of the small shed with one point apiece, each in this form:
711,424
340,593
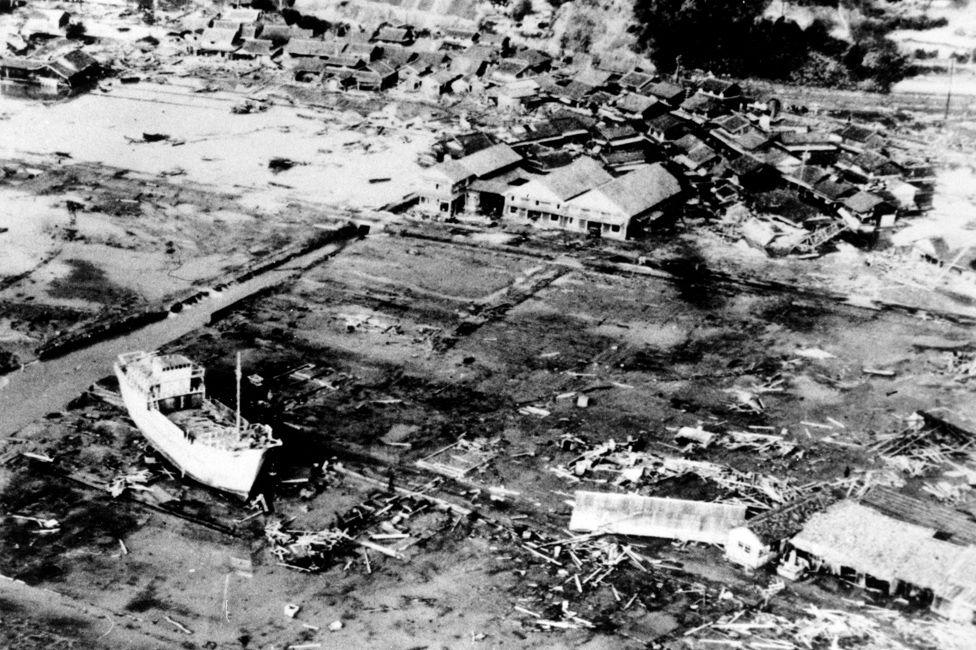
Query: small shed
760,540
631,514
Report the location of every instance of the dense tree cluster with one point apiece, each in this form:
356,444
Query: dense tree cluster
732,37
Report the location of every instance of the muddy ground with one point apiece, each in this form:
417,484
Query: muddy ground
404,345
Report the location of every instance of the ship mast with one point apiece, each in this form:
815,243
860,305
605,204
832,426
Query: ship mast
237,375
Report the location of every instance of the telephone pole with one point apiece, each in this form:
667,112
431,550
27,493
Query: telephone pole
952,70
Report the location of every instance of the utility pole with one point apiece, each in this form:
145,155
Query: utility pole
952,70
237,376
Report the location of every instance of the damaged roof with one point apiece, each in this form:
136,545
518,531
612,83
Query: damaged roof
863,202
781,523
957,527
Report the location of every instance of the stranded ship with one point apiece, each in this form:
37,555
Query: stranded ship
207,441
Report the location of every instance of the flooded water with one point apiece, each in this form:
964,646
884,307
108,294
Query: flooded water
48,386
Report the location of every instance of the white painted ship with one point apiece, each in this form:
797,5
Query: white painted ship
207,441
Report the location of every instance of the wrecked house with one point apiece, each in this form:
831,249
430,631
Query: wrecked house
46,23
438,84
222,40
952,525
631,514
517,96
866,209
897,558
761,539
61,75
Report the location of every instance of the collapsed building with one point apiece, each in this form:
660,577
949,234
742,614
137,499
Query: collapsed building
57,75
762,539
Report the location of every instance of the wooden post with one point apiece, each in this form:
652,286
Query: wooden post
237,376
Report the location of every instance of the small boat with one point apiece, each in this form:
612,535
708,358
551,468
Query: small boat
166,397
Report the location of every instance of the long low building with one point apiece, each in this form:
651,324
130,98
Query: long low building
874,550
632,514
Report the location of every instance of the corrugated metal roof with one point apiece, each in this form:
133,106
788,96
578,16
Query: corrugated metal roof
960,527
630,514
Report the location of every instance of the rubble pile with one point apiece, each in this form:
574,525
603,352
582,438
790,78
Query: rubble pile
868,626
384,523
642,469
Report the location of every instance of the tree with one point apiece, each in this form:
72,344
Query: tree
579,35
712,34
521,9
885,64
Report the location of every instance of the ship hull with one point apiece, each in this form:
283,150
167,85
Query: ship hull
233,471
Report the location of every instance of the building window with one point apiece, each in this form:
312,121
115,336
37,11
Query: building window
513,209
444,207
615,228
745,547
553,217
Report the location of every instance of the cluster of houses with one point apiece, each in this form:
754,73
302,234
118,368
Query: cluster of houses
39,56
721,145
451,60
580,196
